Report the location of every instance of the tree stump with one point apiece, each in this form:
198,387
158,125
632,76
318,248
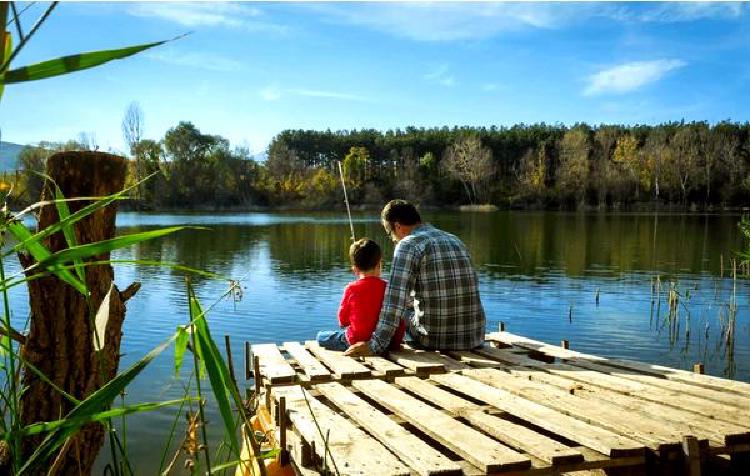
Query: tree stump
60,339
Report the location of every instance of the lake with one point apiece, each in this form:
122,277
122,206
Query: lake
589,278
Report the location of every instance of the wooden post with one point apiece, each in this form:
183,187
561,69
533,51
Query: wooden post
502,326
60,342
699,368
284,453
692,456
230,363
248,370
565,344
256,375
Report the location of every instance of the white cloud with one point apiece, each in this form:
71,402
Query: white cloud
209,61
199,14
452,21
273,93
441,75
673,12
630,76
489,87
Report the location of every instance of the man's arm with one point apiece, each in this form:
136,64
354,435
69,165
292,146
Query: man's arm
396,299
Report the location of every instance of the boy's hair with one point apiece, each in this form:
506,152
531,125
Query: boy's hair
365,254
399,211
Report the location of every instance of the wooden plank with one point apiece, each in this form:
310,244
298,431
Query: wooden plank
351,449
668,373
599,439
315,370
680,399
702,427
474,359
273,365
343,366
735,403
421,457
475,447
634,425
509,433
384,366
420,361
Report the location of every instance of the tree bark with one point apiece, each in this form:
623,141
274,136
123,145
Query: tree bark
60,339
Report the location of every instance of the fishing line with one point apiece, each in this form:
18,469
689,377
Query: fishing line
346,200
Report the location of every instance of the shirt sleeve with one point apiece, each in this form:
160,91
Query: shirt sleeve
344,308
396,300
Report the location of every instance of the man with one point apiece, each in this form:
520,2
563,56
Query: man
433,288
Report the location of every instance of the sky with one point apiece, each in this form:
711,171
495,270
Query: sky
250,70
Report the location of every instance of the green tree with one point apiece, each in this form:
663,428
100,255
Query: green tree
573,172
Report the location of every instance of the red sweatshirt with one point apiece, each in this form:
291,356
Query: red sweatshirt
360,309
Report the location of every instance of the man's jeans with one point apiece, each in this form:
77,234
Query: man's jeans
333,340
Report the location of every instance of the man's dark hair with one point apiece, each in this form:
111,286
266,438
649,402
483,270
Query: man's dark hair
365,254
399,211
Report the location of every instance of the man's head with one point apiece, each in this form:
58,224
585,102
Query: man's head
364,255
399,217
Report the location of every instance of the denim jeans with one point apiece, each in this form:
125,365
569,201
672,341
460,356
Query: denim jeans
333,340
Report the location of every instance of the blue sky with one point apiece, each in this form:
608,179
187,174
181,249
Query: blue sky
250,70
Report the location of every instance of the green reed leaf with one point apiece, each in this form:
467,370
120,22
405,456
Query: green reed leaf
180,346
41,253
67,228
105,246
6,43
97,402
218,373
77,422
72,63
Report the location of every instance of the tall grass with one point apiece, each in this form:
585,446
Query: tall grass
69,265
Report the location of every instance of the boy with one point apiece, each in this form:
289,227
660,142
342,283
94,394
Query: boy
360,306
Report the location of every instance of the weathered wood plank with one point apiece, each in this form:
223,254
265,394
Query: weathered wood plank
343,366
475,447
668,373
734,402
419,361
509,433
421,457
474,359
273,366
385,366
315,370
351,449
634,425
680,399
702,427
594,437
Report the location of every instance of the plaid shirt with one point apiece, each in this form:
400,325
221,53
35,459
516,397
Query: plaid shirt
433,287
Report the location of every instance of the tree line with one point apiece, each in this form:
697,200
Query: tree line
538,166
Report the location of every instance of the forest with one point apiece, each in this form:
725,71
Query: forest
678,164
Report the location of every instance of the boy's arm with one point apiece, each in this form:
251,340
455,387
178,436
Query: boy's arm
344,308
396,298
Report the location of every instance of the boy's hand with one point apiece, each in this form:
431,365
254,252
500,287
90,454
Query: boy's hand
360,349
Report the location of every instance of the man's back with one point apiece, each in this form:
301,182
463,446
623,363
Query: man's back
433,287
448,311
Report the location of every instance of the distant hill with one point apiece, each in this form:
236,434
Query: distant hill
9,156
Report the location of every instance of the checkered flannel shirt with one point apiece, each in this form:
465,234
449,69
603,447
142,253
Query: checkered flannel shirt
433,287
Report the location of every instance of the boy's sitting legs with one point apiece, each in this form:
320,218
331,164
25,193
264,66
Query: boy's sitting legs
333,340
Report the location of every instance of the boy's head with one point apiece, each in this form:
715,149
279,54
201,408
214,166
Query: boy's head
364,255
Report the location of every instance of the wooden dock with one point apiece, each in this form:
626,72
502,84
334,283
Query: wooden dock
515,407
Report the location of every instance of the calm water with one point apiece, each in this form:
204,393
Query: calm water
540,273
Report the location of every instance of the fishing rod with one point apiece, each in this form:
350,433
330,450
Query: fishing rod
346,200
